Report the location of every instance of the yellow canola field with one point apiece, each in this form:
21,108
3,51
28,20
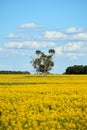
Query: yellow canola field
31,102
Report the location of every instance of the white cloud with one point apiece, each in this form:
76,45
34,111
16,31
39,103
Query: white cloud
80,36
77,33
74,30
1,49
13,36
13,45
69,49
30,25
29,44
76,55
72,50
15,51
52,35
59,51
73,46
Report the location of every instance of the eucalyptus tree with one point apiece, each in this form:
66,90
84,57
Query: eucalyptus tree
43,63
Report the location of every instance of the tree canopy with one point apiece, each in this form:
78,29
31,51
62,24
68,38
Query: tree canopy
76,69
43,63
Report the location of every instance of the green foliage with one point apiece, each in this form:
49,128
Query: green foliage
14,72
43,63
76,69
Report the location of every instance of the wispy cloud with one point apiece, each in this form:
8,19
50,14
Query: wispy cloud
73,46
29,44
14,36
73,41
59,50
74,30
1,49
72,49
80,36
53,35
30,25
75,56
76,34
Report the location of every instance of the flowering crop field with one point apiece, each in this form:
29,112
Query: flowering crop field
35,102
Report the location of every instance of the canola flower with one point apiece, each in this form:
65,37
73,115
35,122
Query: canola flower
31,102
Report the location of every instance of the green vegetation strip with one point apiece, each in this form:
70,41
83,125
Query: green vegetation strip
33,83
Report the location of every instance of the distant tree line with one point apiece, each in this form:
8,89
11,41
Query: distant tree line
14,72
76,69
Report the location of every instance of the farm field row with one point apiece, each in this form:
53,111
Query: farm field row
31,102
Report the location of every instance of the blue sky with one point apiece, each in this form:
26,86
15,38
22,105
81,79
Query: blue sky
29,25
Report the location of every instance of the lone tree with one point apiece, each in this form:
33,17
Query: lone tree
43,63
